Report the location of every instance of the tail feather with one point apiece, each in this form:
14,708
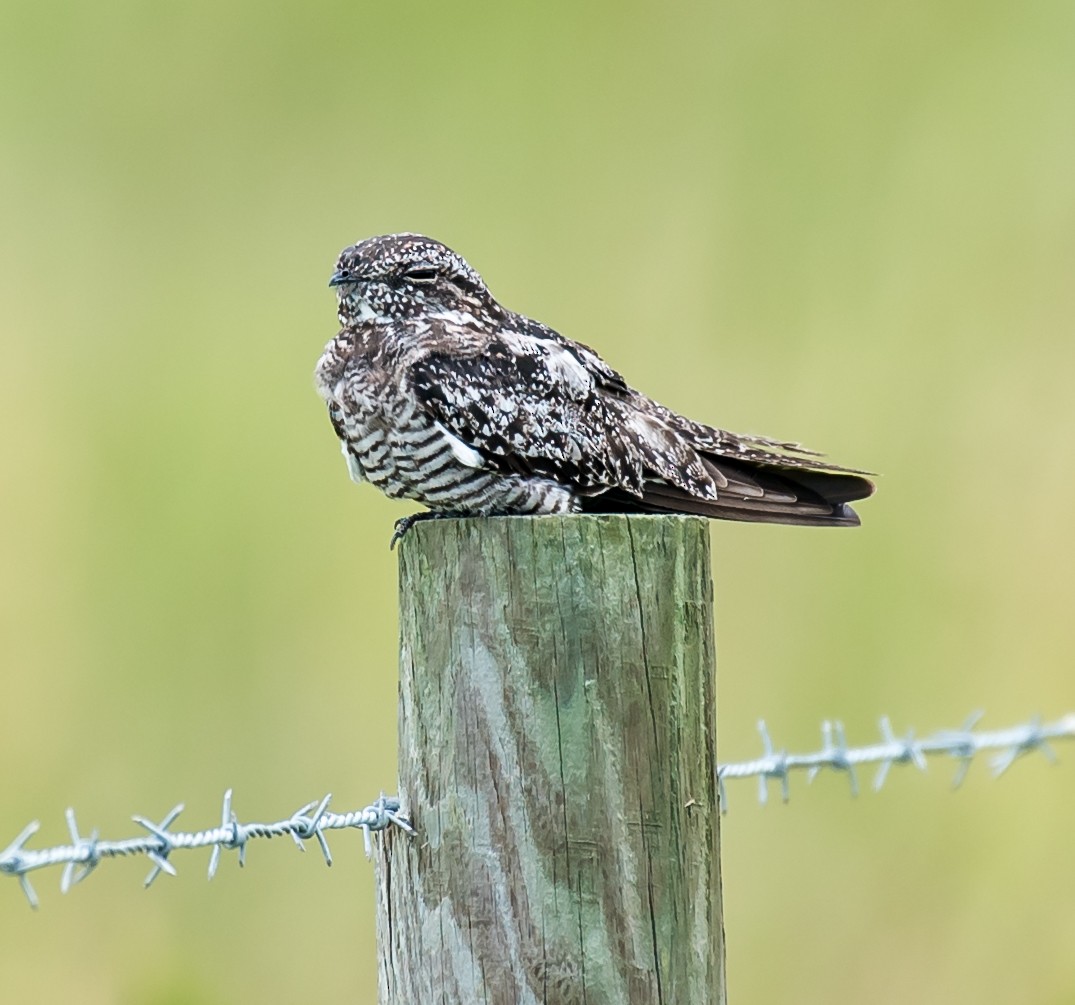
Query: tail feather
754,492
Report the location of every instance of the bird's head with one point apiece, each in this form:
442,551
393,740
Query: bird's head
399,276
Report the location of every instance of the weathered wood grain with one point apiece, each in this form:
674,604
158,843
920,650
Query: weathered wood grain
557,757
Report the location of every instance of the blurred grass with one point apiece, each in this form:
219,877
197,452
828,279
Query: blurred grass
853,226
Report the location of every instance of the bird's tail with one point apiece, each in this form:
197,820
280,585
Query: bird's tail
752,491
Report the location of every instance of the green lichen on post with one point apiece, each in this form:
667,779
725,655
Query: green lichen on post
557,757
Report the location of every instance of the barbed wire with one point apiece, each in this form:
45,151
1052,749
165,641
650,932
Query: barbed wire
84,854
963,744
311,821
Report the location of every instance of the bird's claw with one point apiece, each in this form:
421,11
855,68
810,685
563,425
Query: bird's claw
405,523
400,527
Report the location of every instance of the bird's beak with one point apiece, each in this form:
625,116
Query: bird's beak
339,278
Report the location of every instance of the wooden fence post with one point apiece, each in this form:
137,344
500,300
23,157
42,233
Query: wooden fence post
557,756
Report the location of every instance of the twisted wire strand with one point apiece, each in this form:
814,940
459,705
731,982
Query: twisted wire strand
962,744
84,854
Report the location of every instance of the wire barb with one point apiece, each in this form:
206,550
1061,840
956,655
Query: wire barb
835,755
84,854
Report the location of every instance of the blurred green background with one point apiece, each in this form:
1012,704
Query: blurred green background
851,226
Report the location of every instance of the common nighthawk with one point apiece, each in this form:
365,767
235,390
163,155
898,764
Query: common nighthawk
440,394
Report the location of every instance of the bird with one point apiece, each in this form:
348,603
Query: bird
441,395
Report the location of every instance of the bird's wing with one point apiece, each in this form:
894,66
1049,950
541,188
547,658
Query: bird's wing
533,402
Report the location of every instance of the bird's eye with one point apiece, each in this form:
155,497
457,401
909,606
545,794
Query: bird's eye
421,275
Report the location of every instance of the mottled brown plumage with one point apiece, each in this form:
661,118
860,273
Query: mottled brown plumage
440,394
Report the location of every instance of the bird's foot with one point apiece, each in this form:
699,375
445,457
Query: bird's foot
405,523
